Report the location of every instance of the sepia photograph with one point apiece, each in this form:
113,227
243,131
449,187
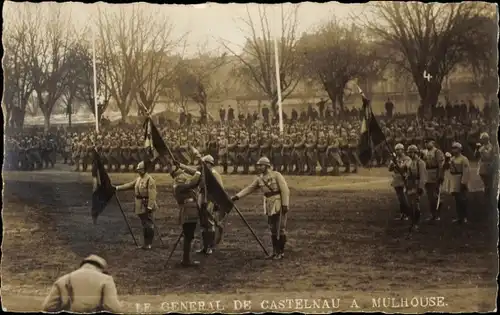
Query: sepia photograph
249,158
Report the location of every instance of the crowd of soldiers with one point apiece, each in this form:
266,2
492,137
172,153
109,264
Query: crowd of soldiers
316,148
32,151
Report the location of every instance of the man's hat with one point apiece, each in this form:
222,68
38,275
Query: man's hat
96,261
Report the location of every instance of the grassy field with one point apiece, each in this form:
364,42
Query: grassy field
343,245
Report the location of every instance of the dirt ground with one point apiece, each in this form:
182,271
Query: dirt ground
343,244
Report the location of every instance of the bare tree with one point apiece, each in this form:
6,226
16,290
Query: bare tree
338,53
432,38
135,44
258,53
18,85
47,52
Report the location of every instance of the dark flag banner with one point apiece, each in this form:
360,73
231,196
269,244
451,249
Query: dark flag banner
371,134
215,192
103,190
153,139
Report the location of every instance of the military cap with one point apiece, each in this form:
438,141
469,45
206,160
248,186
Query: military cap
208,159
95,260
412,149
456,145
264,161
399,146
484,135
140,166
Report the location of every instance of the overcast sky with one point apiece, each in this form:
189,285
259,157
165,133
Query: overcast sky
211,22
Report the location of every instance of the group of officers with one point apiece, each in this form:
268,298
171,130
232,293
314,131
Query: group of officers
196,204
431,171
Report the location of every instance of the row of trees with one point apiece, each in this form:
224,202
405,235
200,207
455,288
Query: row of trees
140,55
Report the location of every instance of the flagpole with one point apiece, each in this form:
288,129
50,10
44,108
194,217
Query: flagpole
96,109
278,84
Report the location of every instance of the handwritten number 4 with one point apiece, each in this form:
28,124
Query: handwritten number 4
427,76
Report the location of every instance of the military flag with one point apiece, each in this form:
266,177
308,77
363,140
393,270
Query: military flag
103,190
371,133
215,192
153,140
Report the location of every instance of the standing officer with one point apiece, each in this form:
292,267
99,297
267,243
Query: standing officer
276,199
145,202
415,183
459,168
399,165
434,161
86,290
208,208
486,166
187,198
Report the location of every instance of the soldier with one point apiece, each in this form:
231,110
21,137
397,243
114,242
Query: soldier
212,146
115,156
232,154
459,168
415,183
277,196
223,152
298,154
486,163
88,289
242,155
277,153
352,154
321,151
134,152
286,152
311,154
145,202
253,150
333,154
434,161
398,166
265,147
187,199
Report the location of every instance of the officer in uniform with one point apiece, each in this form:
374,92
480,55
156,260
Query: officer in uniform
399,166
276,201
243,153
207,207
277,153
415,183
88,289
434,161
232,154
287,155
310,150
223,153
321,151
145,202
253,149
459,168
298,154
187,198
486,164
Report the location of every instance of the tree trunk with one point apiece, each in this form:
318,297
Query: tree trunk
69,119
46,122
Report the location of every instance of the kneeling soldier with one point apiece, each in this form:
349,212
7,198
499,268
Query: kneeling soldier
276,198
145,202
187,199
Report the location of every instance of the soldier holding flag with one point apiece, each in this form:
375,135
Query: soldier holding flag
276,201
145,201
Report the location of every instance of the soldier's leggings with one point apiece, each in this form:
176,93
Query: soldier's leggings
403,202
414,202
432,190
147,227
274,225
461,205
188,231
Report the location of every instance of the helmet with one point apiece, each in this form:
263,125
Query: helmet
412,149
399,146
484,135
456,145
208,159
264,161
140,166
95,260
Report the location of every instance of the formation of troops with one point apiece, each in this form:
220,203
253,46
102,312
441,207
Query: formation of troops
316,148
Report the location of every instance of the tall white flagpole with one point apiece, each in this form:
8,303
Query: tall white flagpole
278,84
95,84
